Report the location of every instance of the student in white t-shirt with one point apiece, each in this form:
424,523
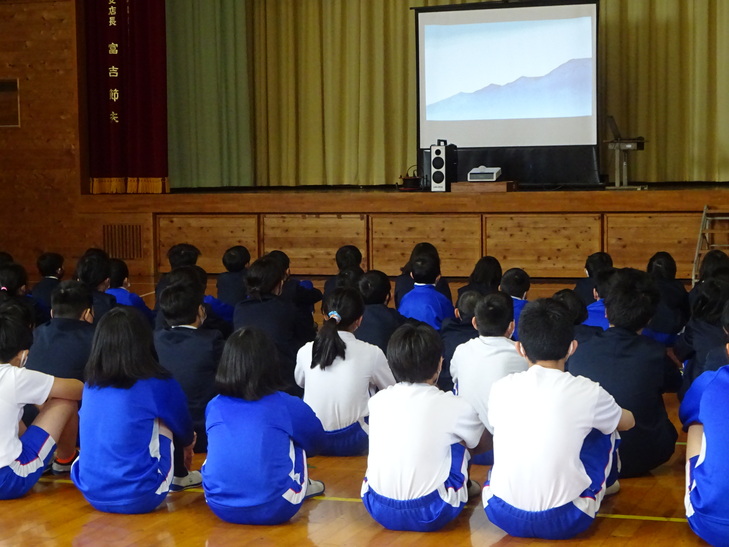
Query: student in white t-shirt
25,453
417,469
554,435
480,362
339,373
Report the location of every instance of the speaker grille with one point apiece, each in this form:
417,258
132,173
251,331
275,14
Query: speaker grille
123,240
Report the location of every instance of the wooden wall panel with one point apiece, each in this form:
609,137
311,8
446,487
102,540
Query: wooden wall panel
212,234
311,241
457,238
543,245
632,239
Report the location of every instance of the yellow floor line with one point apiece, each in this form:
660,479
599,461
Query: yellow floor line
359,500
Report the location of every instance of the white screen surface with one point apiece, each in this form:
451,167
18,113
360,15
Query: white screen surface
505,77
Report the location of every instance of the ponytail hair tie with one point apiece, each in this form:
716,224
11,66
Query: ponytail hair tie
6,290
334,315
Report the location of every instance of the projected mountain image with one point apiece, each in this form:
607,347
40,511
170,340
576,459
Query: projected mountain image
565,92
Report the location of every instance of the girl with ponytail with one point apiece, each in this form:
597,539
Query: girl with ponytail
339,373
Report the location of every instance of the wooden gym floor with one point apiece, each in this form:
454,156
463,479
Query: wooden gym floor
648,511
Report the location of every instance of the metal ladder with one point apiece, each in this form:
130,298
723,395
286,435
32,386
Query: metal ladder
708,233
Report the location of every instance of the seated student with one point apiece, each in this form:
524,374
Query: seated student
424,302
262,482
673,307
578,312
634,369
596,311
119,288
178,256
195,276
265,309
231,283
27,452
455,331
404,282
14,282
714,264
595,263
703,414
338,373
50,266
485,277
417,475
554,436
132,408
348,259
93,270
190,353
301,293
703,331
516,283
479,363
378,321
717,357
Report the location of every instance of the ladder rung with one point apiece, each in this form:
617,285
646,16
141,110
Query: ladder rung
715,231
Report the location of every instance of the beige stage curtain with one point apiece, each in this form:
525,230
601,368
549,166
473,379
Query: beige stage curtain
335,88
665,66
209,106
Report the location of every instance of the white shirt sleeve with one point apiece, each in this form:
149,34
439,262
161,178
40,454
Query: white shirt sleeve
468,425
607,412
381,374
32,387
303,362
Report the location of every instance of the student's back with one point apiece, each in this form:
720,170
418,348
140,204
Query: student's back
50,266
404,282
424,302
379,321
673,307
456,331
516,283
231,284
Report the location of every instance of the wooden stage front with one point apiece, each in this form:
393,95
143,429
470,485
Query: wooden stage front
647,511
549,234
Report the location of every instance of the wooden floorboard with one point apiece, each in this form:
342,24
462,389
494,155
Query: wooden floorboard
648,511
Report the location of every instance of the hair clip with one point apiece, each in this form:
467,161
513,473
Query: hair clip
3,289
334,315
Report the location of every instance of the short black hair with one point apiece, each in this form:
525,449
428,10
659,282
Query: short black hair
13,277
466,305
249,367
632,299
423,248
414,352
712,295
425,269
236,258
545,330
714,261
49,263
183,254
264,275
118,272
662,266
70,299
487,271
494,313
188,275
515,282
15,336
122,351
597,262
573,303
603,281
375,287
348,256
180,303
19,306
281,258
93,269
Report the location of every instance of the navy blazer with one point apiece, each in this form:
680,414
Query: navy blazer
43,289
232,287
192,356
453,332
378,324
477,287
673,307
61,348
636,371
102,303
693,345
584,289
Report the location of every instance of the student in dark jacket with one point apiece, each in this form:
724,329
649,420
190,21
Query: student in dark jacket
119,288
50,266
14,282
714,264
673,307
266,310
179,255
62,346
378,321
349,264
190,353
231,283
578,312
93,270
634,369
456,331
404,282
485,277
594,264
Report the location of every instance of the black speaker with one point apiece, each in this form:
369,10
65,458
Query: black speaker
443,166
